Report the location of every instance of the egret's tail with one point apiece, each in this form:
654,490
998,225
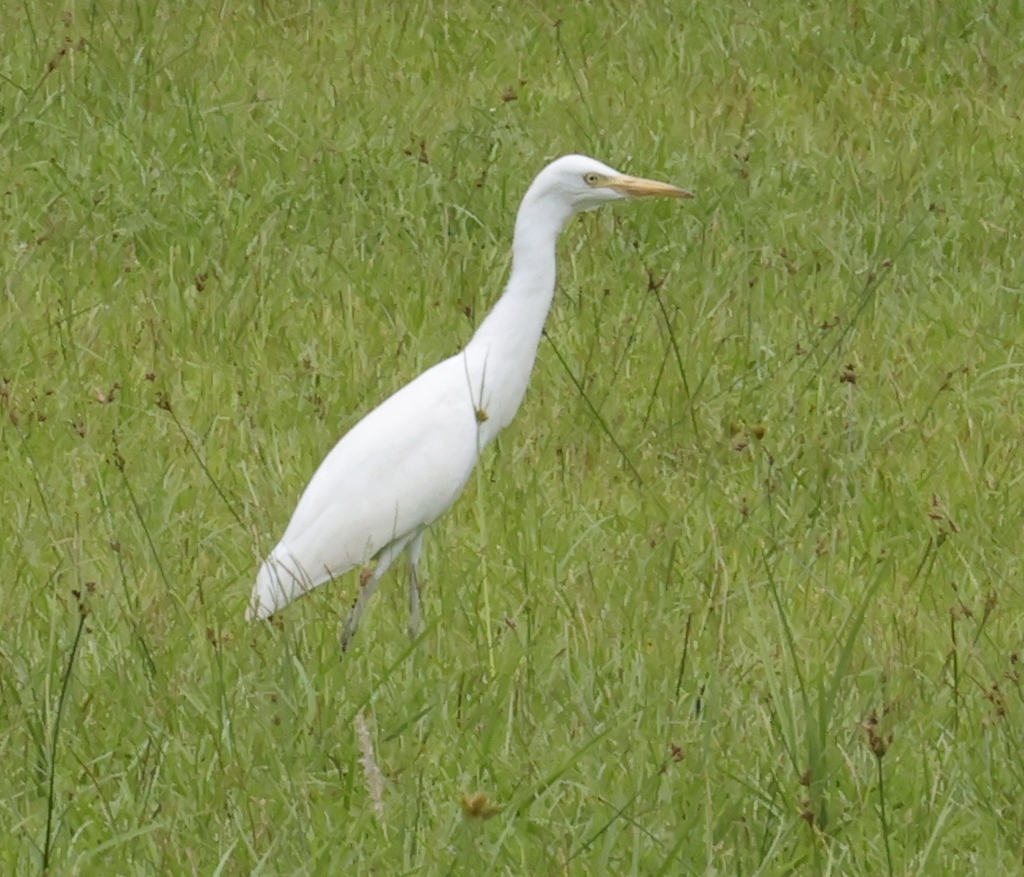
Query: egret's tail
280,580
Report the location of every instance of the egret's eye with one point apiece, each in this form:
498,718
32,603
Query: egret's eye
591,179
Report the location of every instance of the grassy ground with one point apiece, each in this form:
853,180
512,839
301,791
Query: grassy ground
740,589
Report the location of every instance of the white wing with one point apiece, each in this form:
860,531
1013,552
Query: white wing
393,473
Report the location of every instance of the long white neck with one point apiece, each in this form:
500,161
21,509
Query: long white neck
501,354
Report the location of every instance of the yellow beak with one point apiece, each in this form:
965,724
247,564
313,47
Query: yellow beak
638,187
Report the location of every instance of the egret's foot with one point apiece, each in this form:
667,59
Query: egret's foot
368,581
349,632
415,621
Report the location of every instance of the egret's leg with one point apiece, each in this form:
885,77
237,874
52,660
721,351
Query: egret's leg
384,560
415,547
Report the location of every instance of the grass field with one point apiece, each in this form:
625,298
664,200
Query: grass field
740,590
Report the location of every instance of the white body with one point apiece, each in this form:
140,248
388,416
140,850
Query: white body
408,460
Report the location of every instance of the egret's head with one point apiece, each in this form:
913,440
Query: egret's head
574,183
587,183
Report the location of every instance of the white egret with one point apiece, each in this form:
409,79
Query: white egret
407,461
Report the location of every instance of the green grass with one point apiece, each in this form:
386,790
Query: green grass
764,496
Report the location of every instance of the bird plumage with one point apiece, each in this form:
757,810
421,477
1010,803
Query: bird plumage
407,461
395,471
